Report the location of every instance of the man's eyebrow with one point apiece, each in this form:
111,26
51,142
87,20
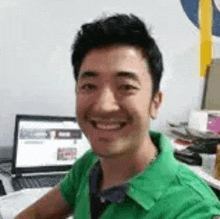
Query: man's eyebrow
88,74
129,75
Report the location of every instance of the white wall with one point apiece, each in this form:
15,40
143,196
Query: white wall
35,70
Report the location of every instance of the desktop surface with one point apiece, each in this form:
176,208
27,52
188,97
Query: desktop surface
15,202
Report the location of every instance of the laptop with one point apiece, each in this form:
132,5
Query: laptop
45,147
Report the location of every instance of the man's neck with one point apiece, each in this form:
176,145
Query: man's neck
118,170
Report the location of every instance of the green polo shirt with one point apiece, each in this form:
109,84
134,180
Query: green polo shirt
166,189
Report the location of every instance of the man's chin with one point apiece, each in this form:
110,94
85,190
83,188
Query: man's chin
102,154
103,148
110,150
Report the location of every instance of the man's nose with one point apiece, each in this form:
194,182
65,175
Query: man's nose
106,101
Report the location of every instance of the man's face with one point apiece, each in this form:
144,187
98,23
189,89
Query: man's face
114,99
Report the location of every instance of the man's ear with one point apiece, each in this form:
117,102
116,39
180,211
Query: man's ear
156,102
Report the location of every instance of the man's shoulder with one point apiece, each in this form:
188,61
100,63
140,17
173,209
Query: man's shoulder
188,184
189,196
185,181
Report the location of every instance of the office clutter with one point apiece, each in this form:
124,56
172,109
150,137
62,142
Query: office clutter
205,121
188,156
199,148
196,145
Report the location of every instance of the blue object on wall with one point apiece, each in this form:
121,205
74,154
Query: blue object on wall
191,8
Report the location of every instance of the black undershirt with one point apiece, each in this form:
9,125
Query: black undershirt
99,201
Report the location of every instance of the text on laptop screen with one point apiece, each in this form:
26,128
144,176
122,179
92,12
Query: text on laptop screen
48,143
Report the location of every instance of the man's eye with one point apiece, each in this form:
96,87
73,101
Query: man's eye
127,87
88,87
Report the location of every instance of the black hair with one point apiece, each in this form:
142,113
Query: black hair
118,29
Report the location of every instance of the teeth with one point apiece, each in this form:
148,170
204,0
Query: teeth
107,120
108,127
107,124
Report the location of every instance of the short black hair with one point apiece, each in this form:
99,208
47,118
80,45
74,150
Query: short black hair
118,29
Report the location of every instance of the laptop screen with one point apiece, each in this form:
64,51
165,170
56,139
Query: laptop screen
46,143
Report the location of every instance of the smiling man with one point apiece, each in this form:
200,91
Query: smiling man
114,105
130,172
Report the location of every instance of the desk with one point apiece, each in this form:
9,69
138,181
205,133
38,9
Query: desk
5,155
13,203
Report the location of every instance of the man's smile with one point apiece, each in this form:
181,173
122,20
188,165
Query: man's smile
107,124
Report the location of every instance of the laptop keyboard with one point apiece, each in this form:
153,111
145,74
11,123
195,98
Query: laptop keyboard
36,181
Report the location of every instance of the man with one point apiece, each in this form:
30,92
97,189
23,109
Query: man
131,172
